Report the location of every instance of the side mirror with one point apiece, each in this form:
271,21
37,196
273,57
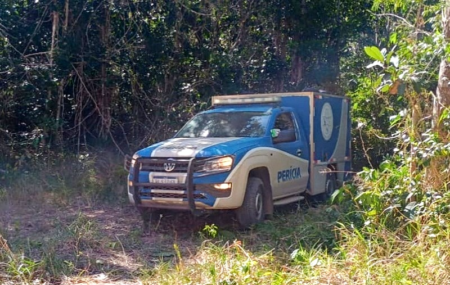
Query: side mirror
284,136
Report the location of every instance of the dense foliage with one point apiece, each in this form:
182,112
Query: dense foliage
74,73
407,194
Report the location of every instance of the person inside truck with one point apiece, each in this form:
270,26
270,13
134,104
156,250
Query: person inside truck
284,122
284,125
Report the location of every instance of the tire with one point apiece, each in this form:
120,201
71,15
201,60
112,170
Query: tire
330,186
252,210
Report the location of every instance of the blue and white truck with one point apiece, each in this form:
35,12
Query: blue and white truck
248,153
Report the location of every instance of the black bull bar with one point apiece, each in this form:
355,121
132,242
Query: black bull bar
192,165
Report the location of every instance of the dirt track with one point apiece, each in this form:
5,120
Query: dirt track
99,239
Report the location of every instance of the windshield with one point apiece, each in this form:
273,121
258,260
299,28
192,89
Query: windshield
226,124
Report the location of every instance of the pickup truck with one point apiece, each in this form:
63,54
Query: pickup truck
248,153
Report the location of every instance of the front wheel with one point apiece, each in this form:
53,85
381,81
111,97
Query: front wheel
252,210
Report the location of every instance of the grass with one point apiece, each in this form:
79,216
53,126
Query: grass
78,228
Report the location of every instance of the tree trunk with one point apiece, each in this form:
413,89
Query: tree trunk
55,129
66,18
105,93
62,82
297,61
442,99
441,102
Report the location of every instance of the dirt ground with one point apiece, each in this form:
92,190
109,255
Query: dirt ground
104,244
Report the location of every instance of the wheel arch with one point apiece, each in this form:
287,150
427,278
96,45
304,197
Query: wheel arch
334,171
332,167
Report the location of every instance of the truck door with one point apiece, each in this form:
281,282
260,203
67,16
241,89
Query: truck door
290,171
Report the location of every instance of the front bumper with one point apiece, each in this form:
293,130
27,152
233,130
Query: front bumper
184,195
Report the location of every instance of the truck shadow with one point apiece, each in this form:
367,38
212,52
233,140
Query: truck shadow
185,223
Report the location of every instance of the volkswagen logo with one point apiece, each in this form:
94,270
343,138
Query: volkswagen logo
169,166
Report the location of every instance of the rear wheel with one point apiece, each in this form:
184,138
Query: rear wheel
252,210
330,186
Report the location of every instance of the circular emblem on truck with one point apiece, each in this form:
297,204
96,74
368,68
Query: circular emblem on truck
326,121
169,166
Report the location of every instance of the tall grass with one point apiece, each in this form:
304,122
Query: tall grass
15,267
91,177
65,245
387,227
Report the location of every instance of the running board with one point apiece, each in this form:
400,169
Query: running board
288,200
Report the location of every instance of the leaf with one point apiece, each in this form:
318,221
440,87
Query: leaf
395,60
393,90
377,82
374,53
444,115
384,88
375,63
315,262
401,89
395,119
335,195
411,209
393,38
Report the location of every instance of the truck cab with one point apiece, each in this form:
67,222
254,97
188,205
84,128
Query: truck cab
248,154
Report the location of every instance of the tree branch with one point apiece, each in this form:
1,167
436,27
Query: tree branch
192,11
404,21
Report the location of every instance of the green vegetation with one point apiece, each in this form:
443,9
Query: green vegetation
374,232
80,73
84,81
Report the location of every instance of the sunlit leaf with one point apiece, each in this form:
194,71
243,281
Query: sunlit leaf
384,88
444,115
395,60
375,63
393,38
374,53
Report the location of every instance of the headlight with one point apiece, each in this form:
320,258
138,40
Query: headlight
222,186
219,164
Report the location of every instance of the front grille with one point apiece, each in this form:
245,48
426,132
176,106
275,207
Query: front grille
147,194
178,188
206,188
158,166
181,165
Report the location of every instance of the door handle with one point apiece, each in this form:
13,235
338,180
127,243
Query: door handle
299,152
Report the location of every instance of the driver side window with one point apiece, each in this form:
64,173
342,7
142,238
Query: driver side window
285,123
